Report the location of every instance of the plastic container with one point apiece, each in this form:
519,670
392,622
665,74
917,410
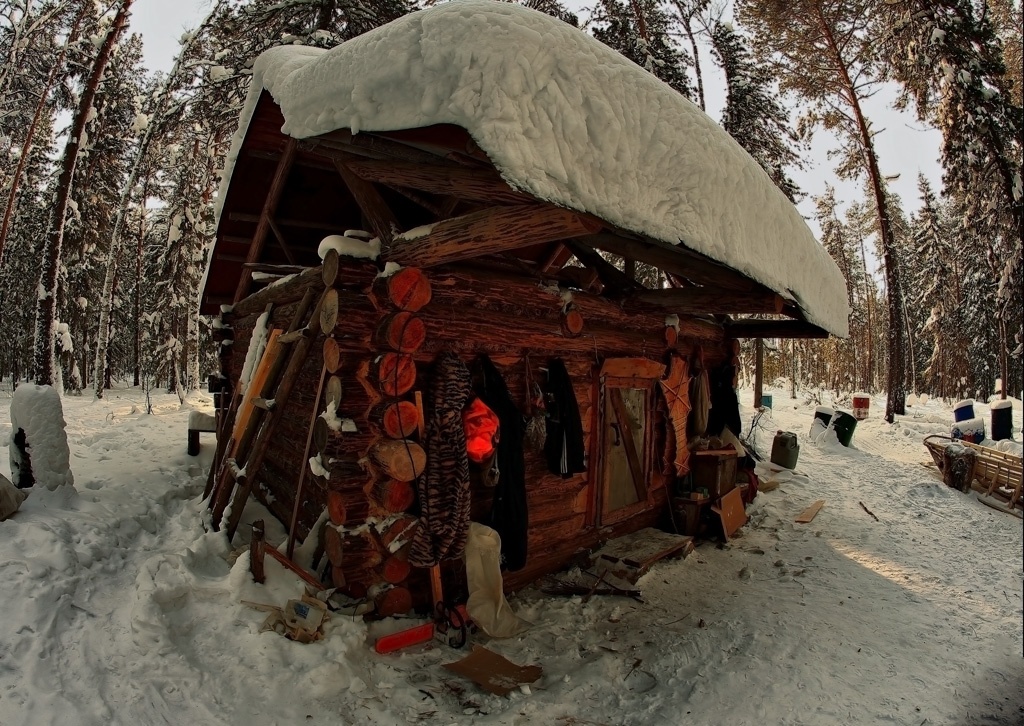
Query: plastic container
861,406
844,424
972,430
766,400
1002,420
785,449
963,410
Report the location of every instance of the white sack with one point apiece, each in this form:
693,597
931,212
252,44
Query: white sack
487,605
10,498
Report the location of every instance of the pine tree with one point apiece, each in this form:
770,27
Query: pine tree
44,362
822,52
640,30
752,114
949,60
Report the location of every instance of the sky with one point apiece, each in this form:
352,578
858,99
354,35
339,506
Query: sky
905,146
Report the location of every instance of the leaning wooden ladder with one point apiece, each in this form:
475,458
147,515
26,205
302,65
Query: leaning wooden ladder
256,417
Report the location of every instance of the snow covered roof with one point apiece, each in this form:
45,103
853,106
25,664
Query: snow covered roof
567,120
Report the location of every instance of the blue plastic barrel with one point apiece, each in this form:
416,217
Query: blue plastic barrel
972,430
963,410
766,400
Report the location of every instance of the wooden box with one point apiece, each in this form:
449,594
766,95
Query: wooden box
714,471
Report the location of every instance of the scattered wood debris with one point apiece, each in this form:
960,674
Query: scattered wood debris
862,506
810,513
493,672
631,556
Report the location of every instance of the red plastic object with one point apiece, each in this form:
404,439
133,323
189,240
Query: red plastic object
404,638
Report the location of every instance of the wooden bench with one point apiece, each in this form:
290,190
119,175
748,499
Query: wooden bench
199,422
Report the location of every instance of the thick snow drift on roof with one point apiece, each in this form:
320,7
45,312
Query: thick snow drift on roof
568,120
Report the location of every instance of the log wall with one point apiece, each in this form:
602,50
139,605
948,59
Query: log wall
518,324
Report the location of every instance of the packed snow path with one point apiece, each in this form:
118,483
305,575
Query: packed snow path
118,608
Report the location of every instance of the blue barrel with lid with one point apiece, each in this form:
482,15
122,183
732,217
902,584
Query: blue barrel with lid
963,410
785,449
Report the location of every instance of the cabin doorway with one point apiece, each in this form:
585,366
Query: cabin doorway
626,439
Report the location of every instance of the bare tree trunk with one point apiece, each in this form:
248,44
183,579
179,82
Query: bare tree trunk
44,346
688,27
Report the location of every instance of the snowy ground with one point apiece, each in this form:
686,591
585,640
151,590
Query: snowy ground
117,608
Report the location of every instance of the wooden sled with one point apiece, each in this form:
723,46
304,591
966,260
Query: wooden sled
997,477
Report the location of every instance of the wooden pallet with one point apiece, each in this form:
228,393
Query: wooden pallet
631,556
996,473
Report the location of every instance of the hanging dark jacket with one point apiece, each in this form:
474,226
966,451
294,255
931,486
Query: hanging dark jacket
563,445
725,404
509,516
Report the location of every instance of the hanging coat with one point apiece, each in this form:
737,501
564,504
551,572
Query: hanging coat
443,489
508,513
725,404
563,445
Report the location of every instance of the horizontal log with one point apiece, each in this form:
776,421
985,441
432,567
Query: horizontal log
674,259
698,300
394,374
336,508
395,496
395,419
774,329
403,460
474,184
486,232
396,570
408,289
402,332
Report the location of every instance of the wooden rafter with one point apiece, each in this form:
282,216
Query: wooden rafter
417,198
373,146
674,259
277,185
378,214
773,329
296,223
612,277
477,184
489,231
556,259
281,240
696,300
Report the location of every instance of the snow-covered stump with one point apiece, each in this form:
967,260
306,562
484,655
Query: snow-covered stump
39,452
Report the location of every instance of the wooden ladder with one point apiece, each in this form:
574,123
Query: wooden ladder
257,413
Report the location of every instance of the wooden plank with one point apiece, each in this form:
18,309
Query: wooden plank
697,300
277,186
486,232
475,184
730,510
611,276
625,422
632,368
644,547
810,513
281,241
377,212
774,329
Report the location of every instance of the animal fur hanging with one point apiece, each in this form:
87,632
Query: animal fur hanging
676,390
443,489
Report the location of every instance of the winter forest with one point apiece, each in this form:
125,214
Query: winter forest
109,173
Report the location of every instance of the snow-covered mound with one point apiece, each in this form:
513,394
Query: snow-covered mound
36,414
566,119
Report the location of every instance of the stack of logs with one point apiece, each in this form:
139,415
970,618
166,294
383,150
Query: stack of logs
371,561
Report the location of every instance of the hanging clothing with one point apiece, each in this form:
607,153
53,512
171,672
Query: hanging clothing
482,429
443,489
676,388
509,517
725,404
563,444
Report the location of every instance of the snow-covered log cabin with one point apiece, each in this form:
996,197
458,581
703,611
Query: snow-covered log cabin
427,216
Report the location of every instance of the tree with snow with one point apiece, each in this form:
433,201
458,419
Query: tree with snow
752,114
44,362
822,52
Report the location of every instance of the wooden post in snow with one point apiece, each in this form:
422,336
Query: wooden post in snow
758,371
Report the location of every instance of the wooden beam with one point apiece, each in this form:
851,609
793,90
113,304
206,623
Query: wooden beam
281,241
478,184
611,276
489,231
417,199
695,300
368,144
773,329
674,259
378,214
556,260
335,227
277,185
